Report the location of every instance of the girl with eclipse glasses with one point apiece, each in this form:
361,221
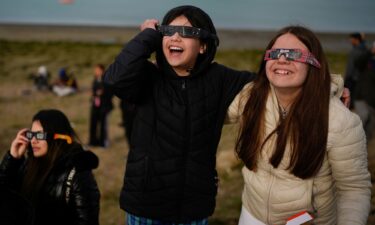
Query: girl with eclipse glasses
48,166
303,150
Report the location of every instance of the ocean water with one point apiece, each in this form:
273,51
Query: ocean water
319,15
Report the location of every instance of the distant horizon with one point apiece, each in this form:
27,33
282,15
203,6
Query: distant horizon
116,26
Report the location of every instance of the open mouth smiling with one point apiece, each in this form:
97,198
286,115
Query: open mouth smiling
175,49
282,72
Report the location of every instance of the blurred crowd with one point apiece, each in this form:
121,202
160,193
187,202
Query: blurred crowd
101,104
360,79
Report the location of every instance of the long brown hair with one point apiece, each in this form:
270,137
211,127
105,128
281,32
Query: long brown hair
37,169
305,126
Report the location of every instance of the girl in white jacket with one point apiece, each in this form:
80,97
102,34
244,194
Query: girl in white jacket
303,150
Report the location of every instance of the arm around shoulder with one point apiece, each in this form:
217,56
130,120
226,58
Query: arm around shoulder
236,108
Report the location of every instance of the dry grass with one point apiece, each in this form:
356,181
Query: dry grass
18,103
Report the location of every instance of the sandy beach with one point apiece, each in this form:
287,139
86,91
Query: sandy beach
229,39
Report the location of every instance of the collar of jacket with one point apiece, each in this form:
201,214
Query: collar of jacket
79,158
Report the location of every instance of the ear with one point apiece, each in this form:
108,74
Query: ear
203,48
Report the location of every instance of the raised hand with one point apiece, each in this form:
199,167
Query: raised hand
149,23
19,144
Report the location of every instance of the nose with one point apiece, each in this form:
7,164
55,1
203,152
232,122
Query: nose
283,59
33,140
175,36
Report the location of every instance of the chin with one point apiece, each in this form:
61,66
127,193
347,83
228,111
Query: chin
39,154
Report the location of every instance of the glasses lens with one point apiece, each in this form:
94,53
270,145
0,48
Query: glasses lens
293,55
40,136
183,31
29,135
190,32
274,54
169,31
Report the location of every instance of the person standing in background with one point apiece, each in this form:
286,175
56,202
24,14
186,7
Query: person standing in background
353,72
365,96
101,106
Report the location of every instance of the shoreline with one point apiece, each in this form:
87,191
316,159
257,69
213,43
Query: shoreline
229,38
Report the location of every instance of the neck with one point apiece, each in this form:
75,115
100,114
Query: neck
286,97
182,73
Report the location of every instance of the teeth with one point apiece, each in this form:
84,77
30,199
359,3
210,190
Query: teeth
175,48
282,72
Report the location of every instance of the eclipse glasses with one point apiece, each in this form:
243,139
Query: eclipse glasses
187,32
43,136
297,55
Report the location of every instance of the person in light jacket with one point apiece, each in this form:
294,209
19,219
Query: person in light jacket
303,150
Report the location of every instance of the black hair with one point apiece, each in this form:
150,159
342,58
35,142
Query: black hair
357,36
199,19
54,121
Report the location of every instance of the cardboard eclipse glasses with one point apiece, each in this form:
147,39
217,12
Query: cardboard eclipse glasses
297,55
43,136
186,32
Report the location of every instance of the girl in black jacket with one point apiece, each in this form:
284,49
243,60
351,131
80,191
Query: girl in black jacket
48,167
181,103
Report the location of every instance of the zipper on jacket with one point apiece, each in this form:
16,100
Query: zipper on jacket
183,84
188,136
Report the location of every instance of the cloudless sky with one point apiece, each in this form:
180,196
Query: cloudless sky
320,15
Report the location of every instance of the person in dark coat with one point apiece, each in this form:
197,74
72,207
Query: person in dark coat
181,103
47,166
14,208
128,111
365,96
101,106
353,70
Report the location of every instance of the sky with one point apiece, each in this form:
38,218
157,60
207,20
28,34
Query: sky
320,15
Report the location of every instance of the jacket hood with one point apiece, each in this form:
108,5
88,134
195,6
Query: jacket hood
80,159
85,160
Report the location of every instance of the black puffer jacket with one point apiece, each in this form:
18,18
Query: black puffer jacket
52,207
170,172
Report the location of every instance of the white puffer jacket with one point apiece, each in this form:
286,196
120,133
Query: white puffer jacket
341,191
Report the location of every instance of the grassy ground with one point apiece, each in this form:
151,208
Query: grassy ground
18,102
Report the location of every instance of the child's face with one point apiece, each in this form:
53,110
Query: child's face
285,74
181,53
